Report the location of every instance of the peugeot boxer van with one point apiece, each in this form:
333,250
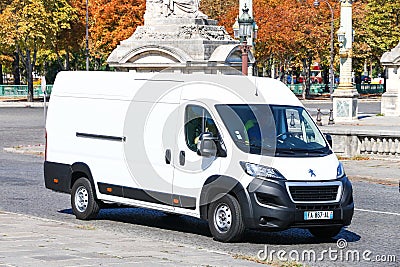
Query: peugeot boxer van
239,152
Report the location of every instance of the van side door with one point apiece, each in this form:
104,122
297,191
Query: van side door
148,153
191,169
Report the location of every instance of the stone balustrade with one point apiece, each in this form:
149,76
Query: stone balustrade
373,144
382,146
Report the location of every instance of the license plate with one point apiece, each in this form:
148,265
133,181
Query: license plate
318,215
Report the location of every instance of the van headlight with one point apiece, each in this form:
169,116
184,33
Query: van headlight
261,171
340,171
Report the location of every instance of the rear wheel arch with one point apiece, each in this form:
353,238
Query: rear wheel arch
220,185
79,170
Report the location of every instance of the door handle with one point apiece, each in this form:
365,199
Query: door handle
168,156
182,158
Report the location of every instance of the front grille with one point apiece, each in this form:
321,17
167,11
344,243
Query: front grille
314,193
317,207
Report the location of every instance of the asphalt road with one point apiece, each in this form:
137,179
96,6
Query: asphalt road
375,224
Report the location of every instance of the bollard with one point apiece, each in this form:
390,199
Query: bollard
331,121
319,119
292,123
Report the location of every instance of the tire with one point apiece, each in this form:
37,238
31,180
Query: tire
84,205
225,219
325,232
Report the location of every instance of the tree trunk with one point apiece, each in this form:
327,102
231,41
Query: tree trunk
1,74
304,94
306,83
309,76
67,61
15,69
60,63
29,75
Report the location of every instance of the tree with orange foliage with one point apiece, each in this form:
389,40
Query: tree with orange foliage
111,21
291,33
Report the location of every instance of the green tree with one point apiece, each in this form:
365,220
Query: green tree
5,54
65,34
377,29
32,26
25,27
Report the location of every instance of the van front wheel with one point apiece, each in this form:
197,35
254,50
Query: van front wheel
225,219
83,202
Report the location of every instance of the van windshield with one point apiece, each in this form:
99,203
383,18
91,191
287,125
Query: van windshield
273,130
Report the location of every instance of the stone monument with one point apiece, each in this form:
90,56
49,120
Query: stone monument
177,35
390,104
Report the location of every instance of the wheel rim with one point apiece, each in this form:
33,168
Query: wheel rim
223,218
81,199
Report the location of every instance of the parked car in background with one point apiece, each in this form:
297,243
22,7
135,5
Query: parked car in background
365,79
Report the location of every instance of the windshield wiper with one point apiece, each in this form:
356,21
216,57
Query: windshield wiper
285,151
299,150
319,150
309,151
264,148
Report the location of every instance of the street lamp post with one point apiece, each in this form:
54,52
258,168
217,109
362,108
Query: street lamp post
345,106
87,35
246,23
331,73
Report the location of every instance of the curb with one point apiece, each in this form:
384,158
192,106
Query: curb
37,150
17,104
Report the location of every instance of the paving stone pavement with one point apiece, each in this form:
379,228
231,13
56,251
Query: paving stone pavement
31,241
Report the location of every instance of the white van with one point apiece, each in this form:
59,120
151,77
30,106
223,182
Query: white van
240,152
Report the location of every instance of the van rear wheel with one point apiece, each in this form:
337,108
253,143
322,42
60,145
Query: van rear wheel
84,205
225,219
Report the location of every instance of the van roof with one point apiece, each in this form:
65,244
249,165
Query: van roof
127,85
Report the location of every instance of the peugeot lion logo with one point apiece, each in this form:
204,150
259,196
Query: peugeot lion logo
312,173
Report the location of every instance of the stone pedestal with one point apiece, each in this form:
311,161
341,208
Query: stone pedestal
183,40
345,104
390,104
345,97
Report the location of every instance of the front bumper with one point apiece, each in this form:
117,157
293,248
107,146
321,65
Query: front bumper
274,209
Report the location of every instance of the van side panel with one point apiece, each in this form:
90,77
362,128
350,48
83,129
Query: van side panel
88,130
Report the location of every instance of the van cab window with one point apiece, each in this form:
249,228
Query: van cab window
197,120
273,130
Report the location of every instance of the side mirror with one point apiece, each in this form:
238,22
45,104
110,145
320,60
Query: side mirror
206,146
328,138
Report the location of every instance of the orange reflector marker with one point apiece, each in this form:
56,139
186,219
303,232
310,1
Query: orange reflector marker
55,180
176,201
109,189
